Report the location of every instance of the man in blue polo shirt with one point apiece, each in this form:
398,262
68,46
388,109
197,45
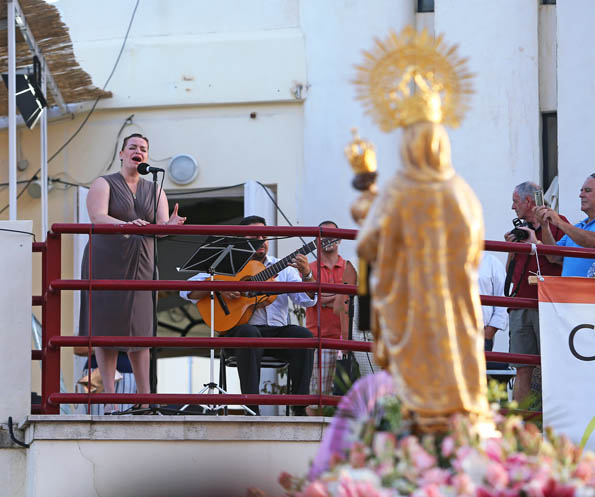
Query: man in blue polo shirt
581,234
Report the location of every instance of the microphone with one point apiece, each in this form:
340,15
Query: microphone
144,168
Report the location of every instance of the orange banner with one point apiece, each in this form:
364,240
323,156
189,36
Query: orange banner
567,290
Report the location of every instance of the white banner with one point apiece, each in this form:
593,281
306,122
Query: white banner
567,331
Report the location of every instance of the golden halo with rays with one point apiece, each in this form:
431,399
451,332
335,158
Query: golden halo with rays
412,77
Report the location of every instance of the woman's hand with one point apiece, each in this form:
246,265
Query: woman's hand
138,222
175,219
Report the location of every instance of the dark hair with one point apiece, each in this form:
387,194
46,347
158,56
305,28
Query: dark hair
328,222
134,135
593,175
252,220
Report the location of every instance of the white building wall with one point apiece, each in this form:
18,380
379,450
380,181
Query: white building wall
336,33
498,144
576,101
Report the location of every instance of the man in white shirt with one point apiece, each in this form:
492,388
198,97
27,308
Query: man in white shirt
270,321
491,282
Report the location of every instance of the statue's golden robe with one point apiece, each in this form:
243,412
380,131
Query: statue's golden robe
424,235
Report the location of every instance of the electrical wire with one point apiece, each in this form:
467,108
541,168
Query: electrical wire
266,190
128,121
185,193
19,231
90,111
177,239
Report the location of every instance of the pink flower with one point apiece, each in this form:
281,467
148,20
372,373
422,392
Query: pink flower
357,455
584,471
496,475
286,480
428,491
463,485
516,458
448,446
484,492
422,460
493,449
518,468
419,457
314,489
554,489
462,453
335,459
435,476
384,444
350,488
519,472
384,468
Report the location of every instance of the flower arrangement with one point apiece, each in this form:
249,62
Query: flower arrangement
385,459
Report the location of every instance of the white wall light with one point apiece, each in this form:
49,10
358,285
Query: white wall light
182,169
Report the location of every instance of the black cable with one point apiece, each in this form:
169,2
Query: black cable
266,190
90,111
176,239
22,191
4,185
159,196
185,193
126,122
13,438
62,182
19,231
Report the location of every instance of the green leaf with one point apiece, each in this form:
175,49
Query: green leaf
587,434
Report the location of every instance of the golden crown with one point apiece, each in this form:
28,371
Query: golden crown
411,78
361,155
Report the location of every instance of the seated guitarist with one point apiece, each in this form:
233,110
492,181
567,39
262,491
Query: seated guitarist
270,320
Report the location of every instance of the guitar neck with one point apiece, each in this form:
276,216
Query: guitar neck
281,264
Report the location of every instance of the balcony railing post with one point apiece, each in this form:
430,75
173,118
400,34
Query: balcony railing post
50,366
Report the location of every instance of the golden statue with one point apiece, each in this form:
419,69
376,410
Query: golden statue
423,233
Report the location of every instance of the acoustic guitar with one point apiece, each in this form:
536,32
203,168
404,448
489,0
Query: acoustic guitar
233,312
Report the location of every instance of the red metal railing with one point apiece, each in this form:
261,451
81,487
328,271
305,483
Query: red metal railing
53,285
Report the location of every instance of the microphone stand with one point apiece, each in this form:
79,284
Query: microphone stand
153,353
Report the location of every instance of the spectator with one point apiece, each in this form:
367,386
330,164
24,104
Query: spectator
524,323
582,234
334,318
491,282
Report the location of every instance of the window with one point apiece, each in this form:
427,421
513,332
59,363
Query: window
425,5
548,2
549,148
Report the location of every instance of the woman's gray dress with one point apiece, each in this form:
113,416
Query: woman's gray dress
120,313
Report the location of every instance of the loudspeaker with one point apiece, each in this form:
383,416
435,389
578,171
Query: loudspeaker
30,99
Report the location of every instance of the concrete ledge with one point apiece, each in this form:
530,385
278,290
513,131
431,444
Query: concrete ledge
153,456
170,428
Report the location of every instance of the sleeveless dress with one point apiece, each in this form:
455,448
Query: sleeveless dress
120,313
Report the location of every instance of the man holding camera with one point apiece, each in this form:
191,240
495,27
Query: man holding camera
524,323
581,234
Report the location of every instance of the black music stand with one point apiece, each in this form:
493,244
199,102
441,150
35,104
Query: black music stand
226,256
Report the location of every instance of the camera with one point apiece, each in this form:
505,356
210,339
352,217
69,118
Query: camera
520,234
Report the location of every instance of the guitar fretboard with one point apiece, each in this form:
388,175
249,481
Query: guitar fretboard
281,264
